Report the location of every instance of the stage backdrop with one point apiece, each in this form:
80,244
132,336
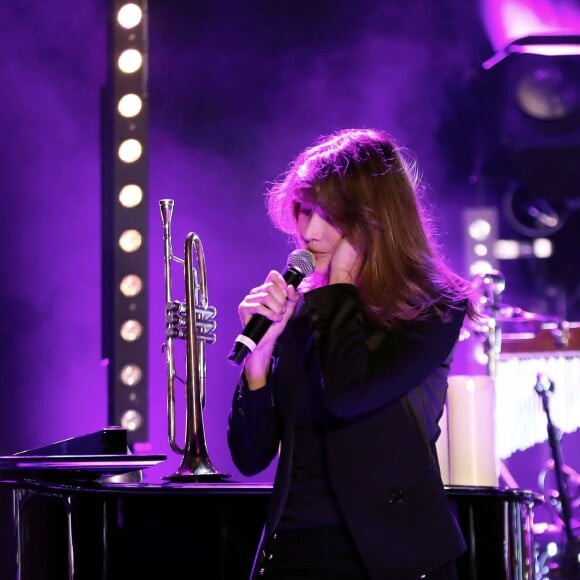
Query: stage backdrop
237,89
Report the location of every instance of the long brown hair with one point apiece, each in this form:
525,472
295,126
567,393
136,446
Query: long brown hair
363,182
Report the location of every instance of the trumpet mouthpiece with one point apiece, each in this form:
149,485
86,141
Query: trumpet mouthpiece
166,208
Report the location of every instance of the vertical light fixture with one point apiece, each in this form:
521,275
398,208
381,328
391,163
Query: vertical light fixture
480,226
124,122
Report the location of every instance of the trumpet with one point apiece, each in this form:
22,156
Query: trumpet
194,321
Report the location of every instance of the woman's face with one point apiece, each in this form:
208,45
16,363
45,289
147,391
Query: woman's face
318,234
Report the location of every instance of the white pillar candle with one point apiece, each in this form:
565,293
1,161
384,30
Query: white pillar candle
471,425
442,446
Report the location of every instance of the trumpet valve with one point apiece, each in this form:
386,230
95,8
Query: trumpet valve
176,322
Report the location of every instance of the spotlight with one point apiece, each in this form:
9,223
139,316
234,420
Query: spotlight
130,241
129,16
131,195
542,248
130,150
131,285
548,92
515,249
480,250
131,375
479,229
533,96
130,61
539,80
480,225
479,267
125,219
506,249
534,215
130,105
131,330
132,420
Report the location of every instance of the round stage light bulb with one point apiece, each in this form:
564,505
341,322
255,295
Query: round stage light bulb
130,61
131,375
480,250
131,195
479,229
542,248
130,105
130,150
507,249
131,330
130,240
479,267
129,15
131,420
131,285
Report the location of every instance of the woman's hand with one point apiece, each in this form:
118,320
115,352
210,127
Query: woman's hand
276,300
345,264
341,266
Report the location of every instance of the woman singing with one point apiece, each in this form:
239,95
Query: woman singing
349,382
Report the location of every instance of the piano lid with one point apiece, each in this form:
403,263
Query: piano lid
107,441
97,455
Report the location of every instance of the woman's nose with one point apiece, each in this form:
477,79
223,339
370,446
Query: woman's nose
313,228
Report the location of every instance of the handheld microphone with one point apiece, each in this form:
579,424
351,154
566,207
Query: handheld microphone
300,264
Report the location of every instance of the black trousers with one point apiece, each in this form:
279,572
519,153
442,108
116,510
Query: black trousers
324,553
321,553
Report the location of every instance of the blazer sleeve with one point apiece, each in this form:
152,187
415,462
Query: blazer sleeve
363,374
253,429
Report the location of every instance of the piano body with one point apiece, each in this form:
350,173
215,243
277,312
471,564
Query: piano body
83,510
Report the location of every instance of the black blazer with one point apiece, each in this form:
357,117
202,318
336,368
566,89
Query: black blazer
385,390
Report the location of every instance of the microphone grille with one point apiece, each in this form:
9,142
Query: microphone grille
302,261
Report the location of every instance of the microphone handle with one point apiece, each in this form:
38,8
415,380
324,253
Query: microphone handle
258,325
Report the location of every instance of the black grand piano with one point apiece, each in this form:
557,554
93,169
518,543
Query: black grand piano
83,509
